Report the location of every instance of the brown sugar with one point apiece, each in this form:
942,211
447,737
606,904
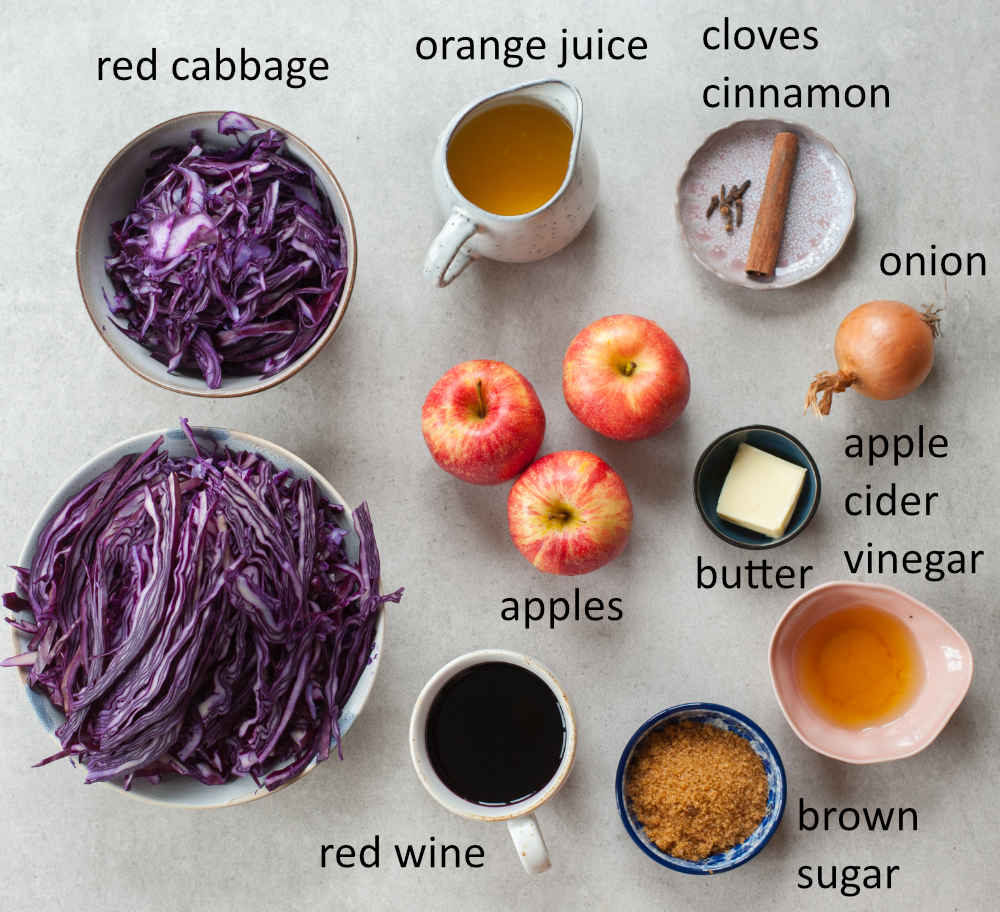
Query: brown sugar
696,789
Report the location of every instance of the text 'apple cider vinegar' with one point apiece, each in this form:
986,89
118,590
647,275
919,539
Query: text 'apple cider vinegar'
859,667
512,158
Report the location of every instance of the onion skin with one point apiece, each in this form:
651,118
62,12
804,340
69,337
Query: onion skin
884,350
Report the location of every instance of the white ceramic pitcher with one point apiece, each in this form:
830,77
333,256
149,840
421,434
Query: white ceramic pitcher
471,232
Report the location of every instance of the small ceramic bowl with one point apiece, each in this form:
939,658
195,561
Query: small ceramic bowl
821,207
113,197
947,674
713,466
730,720
179,791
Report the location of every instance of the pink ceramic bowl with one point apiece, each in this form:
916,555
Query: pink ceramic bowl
947,674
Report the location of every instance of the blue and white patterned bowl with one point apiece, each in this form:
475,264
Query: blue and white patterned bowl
725,718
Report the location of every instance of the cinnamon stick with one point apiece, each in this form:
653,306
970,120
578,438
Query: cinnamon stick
765,242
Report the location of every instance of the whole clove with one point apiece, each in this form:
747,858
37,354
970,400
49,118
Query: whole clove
729,202
725,210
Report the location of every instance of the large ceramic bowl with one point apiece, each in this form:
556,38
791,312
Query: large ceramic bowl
183,791
947,663
113,197
725,718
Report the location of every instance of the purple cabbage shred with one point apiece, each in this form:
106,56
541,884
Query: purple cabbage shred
198,617
231,262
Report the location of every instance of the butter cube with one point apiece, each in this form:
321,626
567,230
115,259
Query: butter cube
761,491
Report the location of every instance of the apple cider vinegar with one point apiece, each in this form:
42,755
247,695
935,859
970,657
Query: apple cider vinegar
510,159
859,667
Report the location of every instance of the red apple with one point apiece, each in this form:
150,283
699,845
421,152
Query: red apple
483,422
569,513
625,378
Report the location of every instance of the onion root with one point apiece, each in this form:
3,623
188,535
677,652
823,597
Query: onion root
821,390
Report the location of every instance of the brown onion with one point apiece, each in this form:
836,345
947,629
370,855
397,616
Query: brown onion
884,350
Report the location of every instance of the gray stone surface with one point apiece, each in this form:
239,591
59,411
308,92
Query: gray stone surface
925,170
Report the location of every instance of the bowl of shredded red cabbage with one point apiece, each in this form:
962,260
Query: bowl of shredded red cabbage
216,254
197,617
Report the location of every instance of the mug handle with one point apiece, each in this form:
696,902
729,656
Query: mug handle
529,844
445,258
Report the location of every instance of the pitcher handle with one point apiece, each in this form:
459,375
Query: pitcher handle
529,844
445,258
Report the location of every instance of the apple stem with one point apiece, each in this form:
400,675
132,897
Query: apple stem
629,368
481,410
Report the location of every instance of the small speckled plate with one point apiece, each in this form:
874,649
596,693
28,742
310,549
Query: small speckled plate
820,210
729,720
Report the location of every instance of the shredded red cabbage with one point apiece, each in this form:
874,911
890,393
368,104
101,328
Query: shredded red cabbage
232,262
198,617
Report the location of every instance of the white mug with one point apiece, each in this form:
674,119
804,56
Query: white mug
471,232
519,816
